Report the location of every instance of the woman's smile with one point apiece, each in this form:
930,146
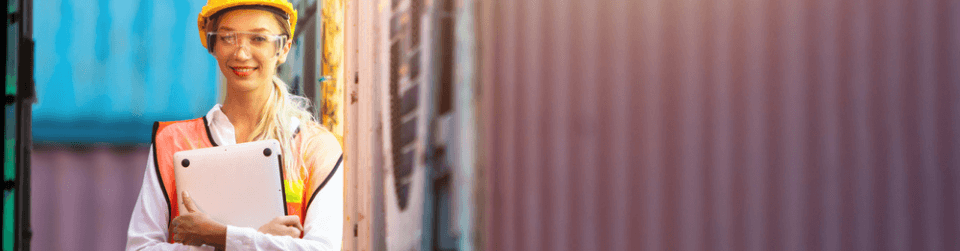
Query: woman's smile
243,71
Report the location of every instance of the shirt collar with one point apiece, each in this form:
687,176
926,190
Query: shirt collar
216,114
223,132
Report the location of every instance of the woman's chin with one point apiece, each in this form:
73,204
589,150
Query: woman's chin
245,84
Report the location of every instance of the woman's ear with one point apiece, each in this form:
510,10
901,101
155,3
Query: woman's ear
284,52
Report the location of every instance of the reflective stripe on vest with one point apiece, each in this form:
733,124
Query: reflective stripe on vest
175,136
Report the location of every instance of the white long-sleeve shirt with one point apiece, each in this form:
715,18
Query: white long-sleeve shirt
322,227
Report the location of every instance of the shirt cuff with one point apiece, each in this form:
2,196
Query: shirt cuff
240,238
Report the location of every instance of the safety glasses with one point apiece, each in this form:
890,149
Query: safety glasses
269,44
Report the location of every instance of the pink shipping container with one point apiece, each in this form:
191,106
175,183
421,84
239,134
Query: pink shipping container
720,125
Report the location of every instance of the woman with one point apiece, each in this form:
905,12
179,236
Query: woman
249,39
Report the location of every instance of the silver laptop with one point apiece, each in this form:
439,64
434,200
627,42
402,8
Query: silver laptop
239,185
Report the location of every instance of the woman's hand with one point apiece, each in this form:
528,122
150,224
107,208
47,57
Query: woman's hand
197,228
288,225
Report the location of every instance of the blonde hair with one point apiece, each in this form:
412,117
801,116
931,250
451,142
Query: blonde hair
281,107
276,118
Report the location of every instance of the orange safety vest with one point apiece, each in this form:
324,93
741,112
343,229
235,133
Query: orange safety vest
318,147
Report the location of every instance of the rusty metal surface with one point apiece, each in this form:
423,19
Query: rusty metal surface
720,125
331,112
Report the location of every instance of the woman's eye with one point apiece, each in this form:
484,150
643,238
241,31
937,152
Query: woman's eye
226,38
260,39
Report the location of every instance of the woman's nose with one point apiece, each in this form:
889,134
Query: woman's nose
242,52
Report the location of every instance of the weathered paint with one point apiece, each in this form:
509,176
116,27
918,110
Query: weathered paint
331,111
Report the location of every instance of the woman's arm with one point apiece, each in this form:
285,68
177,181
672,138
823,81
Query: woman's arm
148,224
323,226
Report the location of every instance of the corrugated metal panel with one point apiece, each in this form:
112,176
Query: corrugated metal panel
83,196
721,125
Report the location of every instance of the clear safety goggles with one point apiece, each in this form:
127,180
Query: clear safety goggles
261,42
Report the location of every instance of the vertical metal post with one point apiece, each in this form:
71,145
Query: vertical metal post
25,98
309,63
466,179
363,154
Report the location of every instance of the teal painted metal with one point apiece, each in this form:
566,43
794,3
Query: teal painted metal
107,69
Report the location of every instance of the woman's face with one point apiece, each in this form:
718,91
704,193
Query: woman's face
248,63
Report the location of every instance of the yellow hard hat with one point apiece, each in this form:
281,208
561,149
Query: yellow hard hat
215,6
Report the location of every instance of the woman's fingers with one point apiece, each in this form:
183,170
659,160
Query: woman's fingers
175,230
175,223
294,232
188,203
291,221
287,225
183,230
